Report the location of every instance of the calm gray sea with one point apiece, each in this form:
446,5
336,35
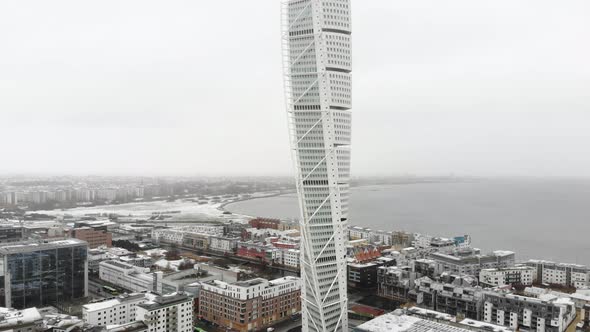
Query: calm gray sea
548,219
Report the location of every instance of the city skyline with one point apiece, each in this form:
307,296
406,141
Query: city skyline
456,87
146,183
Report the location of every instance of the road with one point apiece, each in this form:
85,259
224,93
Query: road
572,327
95,290
288,326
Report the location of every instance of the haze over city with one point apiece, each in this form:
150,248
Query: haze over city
440,87
294,166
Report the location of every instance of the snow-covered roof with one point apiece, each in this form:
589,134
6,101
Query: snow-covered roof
394,322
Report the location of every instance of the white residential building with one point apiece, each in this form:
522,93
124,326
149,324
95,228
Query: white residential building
581,297
177,235
291,257
468,261
224,245
117,311
381,237
548,313
253,288
519,274
358,233
168,313
571,275
209,229
432,243
174,236
130,277
421,241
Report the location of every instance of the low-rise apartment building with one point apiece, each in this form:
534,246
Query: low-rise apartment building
425,267
94,236
177,235
249,305
258,251
362,275
569,275
196,240
225,245
454,299
130,277
380,237
358,233
291,257
516,275
167,313
548,313
262,223
394,282
11,233
117,311
469,261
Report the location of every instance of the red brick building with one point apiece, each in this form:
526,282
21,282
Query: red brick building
254,251
277,243
260,223
250,305
94,237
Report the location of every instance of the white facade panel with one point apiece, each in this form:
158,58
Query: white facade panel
317,56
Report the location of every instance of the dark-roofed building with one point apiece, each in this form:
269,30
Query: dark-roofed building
11,233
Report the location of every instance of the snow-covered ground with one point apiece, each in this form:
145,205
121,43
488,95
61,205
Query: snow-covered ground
142,208
186,208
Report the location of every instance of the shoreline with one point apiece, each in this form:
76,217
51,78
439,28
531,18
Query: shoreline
222,206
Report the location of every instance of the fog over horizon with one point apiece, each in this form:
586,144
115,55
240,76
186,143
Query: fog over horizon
461,87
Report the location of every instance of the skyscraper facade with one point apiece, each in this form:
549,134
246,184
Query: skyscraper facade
317,72
37,274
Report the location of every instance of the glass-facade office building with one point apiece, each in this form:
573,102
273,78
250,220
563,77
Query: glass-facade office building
43,273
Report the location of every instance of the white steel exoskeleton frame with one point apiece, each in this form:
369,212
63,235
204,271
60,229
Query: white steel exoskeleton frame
317,81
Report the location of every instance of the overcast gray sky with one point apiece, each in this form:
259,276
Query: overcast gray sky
468,87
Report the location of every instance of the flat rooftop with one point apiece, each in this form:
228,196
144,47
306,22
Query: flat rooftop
512,268
90,307
31,246
431,314
283,280
484,325
130,327
165,301
13,318
250,283
120,265
392,322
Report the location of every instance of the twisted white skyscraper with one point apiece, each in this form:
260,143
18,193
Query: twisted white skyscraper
317,66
